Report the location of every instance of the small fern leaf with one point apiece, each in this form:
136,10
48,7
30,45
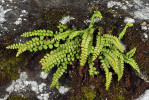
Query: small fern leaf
75,33
131,53
113,40
84,37
15,46
112,59
98,47
84,51
59,55
96,14
59,72
62,36
121,66
132,62
92,69
108,74
108,80
21,50
38,33
124,30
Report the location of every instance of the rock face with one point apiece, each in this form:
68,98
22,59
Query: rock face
18,16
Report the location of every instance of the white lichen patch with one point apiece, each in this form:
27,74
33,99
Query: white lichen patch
43,96
145,35
41,87
18,21
43,75
5,14
123,46
66,19
113,3
63,89
129,20
142,13
144,28
2,16
140,9
144,96
22,83
116,4
5,97
11,1
96,20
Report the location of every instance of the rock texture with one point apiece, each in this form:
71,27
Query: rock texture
18,16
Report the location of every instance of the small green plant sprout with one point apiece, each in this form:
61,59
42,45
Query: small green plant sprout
68,45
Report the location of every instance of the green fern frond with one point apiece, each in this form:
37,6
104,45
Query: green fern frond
96,14
33,45
84,50
62,27
62,36
108,74
108,80
132,62
113,60
15,46
92,69
71,45
113,40
99,45
131,53
128,59
75,33
59,55
121,66
59,72
124,30
38,33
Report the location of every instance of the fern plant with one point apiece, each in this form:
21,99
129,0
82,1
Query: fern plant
70,45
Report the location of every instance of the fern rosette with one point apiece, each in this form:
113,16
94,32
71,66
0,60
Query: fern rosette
72,45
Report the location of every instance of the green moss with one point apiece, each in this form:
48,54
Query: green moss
9,69
89,93
9,64
115,93
52,17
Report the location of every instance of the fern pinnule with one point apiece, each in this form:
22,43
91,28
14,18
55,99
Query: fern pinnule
38,33
62,27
